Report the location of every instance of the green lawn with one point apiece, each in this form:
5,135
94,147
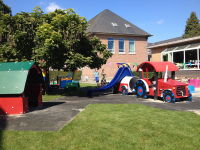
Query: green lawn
114,126
53,95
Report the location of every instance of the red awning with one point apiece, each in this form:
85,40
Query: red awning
158,66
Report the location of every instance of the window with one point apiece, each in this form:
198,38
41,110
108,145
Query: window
111,45
121,45
127,25
191,59
187,58
167,57
149,58
114,24
178,59
131,46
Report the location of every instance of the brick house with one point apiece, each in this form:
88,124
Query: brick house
126,41
184,52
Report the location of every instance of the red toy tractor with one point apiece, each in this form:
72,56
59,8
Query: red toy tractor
167,88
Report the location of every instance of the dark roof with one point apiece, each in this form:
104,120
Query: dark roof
102,23
149,44
173,42
166,41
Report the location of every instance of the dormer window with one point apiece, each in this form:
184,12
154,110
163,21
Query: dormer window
114,24
127,25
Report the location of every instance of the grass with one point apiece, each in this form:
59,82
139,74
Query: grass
54,95
114,126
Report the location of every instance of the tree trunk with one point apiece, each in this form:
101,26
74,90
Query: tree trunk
47,81
73,75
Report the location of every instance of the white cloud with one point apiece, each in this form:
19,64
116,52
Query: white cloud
52,6
160,21
41,3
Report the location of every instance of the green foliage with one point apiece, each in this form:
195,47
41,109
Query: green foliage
4,9
136,73
193,27
57,38
63,40
18,35
54,74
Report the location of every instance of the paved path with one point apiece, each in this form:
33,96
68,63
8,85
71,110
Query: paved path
55,114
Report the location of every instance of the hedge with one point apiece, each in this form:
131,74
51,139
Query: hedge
54,74
150,74
77,76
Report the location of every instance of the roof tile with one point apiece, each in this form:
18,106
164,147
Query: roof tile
102,23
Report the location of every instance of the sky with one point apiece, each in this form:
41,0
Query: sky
164,19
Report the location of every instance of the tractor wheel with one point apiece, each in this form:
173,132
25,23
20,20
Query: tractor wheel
140,89
124,91
189,98
169,97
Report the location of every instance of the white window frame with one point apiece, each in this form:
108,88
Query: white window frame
114,24
127,25
120,39
129,46
113,44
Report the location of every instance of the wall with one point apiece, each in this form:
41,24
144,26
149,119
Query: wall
156,54
110,67
190,74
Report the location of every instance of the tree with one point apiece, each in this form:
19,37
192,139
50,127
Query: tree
18,35
58,38
193,27
63,41
4,9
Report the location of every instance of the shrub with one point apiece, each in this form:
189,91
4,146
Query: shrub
150,74
54,74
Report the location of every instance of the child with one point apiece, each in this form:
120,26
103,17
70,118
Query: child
96,75
103,79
